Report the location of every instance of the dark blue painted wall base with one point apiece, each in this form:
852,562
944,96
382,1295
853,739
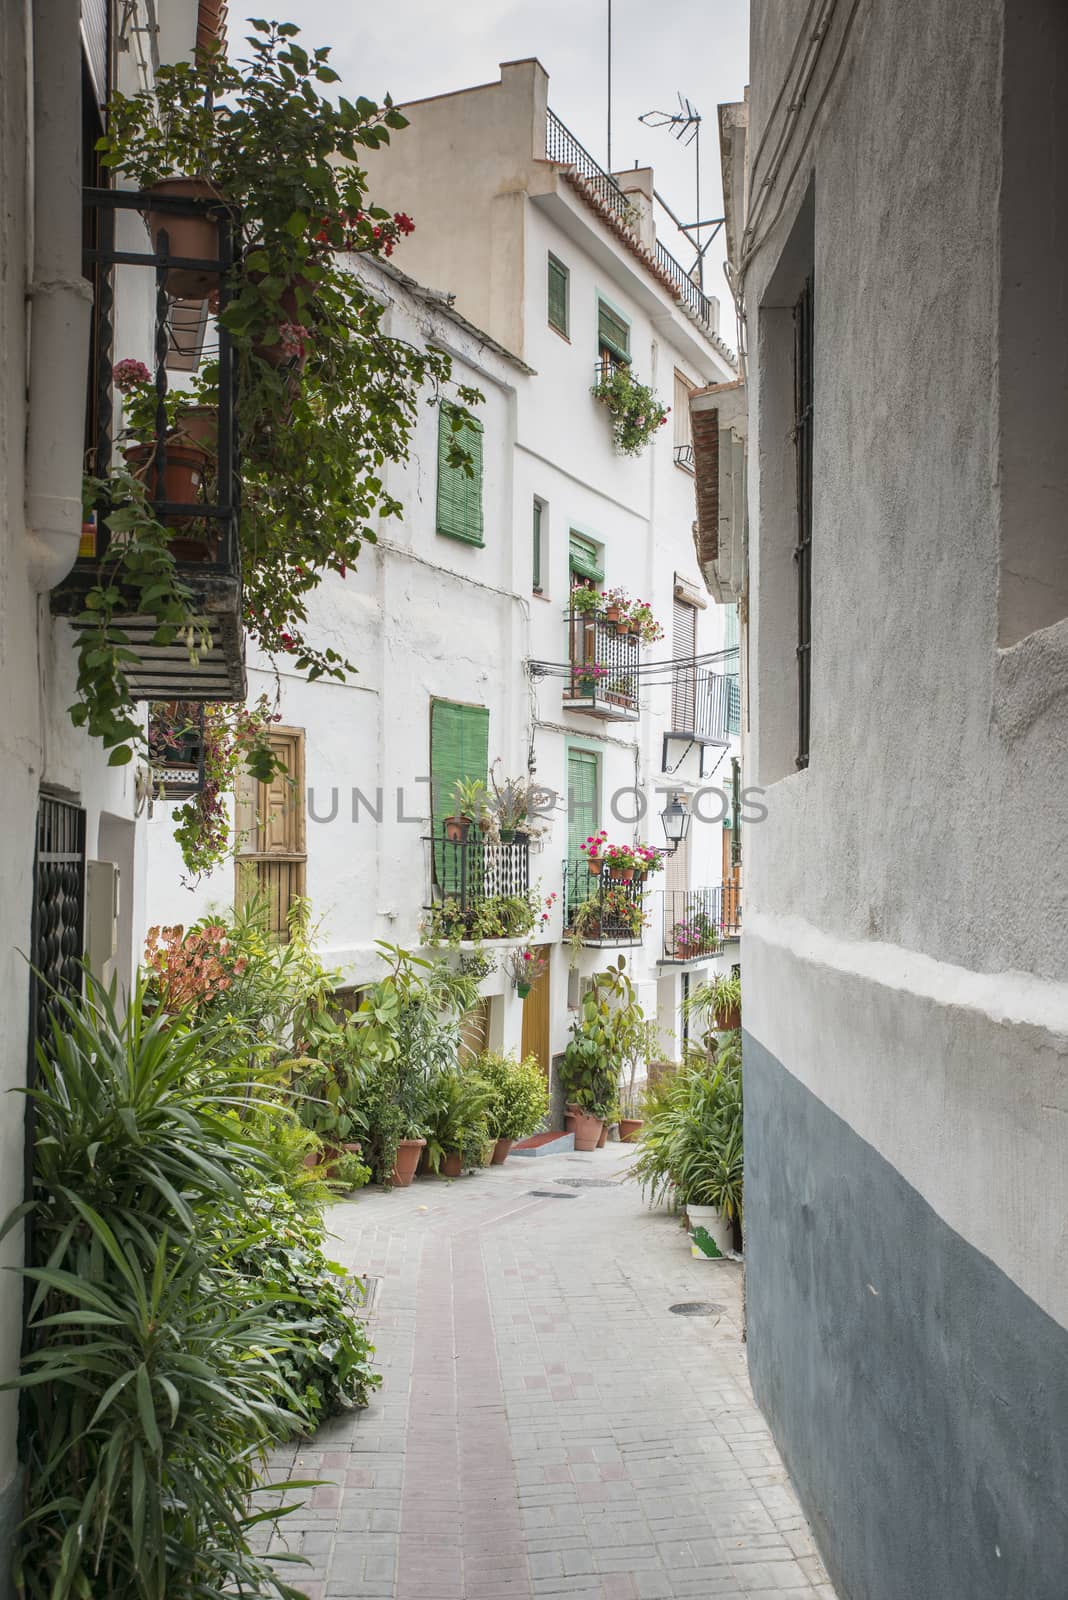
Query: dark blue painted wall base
919,1397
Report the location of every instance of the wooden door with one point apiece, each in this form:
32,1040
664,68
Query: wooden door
535,1040
731,913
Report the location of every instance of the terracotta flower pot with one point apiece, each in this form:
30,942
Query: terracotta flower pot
622,628
408,1153
629,1129
586,1128
611,613
626,874
452,1165
500,1152
596,865
603,1140
198,426
197,237
456,829
730,1017
180,483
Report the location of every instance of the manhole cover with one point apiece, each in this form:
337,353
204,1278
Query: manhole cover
696,1308
587,1183
550,1194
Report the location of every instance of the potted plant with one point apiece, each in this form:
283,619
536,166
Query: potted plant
584,600
586,679
470,797
189,451
641,621
589,1072
636,412
719,1002
594,850
526,966
513,799
518,1099
456,1120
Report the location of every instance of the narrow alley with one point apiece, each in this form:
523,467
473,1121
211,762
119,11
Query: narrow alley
547,1423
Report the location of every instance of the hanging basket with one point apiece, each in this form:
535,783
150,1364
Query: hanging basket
523,989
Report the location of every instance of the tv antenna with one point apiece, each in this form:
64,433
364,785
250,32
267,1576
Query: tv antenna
685,125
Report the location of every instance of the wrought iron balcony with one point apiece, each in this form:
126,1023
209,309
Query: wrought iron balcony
690,293
731,910
603,908
205,521
684,456
605,657
692,924
562,146
479,888
705,706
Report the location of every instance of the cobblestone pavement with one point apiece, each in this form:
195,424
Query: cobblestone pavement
546,1425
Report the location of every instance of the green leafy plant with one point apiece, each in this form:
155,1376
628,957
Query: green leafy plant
158,1371
456,1116
326,396
519,1094
692,1140
471,799
636,412
584,599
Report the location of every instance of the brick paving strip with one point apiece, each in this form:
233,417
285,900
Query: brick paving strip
546,1429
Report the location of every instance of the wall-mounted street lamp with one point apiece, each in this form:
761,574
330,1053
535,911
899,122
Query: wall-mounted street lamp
676,821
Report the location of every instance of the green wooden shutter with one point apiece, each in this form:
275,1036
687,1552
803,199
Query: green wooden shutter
558,296
536,569
459,748
584,559
734,704
613,331
582,809
459,496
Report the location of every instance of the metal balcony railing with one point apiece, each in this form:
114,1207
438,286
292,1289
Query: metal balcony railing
691,924
204,540
684,456
730,917
562,146
603,908
604,658
704,704
469,873
692,295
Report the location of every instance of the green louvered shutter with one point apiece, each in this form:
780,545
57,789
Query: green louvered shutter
558,297
584,559
582,813
613,331
734,703
459,748
459,496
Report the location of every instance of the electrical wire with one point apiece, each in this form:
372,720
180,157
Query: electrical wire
645,671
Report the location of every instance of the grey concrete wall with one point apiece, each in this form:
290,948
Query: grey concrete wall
906,933
920,1398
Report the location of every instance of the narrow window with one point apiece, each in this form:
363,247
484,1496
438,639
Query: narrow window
536,554
803,547
559,297
271,845
681,418
459,750
613,336
459,514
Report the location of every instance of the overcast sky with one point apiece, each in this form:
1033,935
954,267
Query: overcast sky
413,48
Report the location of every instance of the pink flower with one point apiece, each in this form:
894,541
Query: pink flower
291,338
128,374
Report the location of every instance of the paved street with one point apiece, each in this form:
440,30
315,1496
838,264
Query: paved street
546,1425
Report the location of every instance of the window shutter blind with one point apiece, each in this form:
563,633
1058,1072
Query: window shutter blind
95,32
613,332
684,686
584,559
734,703
558,284
536,570
459,496
459,748
581,801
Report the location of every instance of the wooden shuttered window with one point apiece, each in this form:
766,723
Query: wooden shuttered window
613,332
584,559
559,295
681,413
459,493
459,748
683,651
583,812
272,854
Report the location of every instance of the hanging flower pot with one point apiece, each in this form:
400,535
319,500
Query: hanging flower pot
197,237
523,989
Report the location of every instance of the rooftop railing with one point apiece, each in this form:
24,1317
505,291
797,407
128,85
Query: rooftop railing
561,145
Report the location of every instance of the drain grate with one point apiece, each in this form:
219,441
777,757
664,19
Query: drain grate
587,1183
697,1308
550,1194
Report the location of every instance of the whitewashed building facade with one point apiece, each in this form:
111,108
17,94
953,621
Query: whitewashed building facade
458,619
